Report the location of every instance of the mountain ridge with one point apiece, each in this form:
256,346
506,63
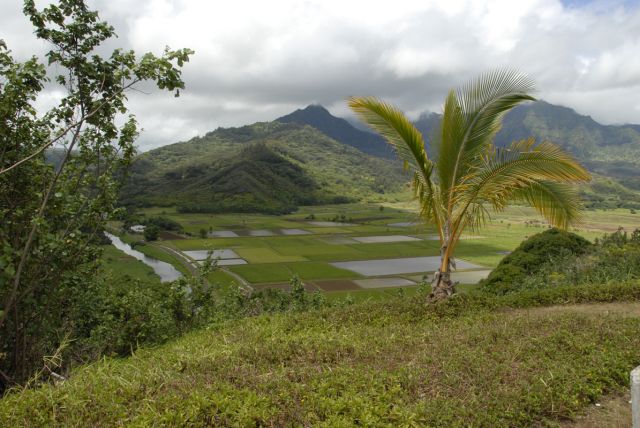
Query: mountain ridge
340,130
188,174
352,165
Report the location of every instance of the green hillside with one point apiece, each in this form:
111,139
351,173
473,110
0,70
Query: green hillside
266,167
472,361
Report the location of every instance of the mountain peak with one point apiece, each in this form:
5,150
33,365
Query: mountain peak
315,108
338,129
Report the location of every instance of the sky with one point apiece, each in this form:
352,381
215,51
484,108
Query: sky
257,60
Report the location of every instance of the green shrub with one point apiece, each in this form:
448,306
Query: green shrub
530,256
164,223
151,233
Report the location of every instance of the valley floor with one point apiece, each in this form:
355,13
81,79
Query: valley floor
362,250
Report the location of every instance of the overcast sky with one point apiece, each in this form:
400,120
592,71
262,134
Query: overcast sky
257,60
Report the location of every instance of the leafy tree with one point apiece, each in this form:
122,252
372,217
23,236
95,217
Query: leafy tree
53,217
470,176
151,233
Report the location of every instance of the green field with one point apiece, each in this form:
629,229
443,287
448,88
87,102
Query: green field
122,266
275,259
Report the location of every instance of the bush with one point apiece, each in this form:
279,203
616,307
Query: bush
530,257
151,233
164,223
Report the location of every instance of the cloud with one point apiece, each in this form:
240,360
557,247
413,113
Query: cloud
256,60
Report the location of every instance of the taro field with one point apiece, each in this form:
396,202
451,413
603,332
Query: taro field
363,250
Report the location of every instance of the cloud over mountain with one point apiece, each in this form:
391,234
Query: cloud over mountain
258,60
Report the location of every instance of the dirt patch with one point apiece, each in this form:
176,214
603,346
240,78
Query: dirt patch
165,235
308,286
384,282
625,309
337,285
609,412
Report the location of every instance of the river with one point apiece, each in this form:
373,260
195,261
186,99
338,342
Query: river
164,270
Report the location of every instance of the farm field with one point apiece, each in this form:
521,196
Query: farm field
330,247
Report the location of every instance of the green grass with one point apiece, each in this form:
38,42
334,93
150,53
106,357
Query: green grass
221,277
317,270
258,273
261,273
468,362
371,295
266,255
120,265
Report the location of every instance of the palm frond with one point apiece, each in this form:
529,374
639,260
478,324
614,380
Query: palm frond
558,203
394,126
408,143
521,163
503,174
473,116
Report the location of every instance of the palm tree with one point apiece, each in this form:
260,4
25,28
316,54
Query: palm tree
469,176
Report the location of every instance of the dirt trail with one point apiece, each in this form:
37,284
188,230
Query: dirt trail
611,411
631,309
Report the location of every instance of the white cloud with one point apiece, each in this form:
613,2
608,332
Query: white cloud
256,60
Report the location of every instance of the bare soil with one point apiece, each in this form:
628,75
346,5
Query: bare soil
337,285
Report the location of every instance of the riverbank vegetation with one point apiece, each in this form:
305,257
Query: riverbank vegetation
53,216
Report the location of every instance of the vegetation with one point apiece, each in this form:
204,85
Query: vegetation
552,259
399,362
473,175
530,257
53,218
151,232
267,167
610,152
340,130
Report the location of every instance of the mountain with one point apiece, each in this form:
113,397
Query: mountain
311,157
610,152
269,167
340,130
591,142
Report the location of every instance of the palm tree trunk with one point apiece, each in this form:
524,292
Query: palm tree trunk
442,287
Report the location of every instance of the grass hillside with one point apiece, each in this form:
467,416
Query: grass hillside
265,167
472,361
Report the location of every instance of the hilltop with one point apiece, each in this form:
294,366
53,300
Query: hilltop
268,167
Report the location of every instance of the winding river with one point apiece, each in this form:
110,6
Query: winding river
164,270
